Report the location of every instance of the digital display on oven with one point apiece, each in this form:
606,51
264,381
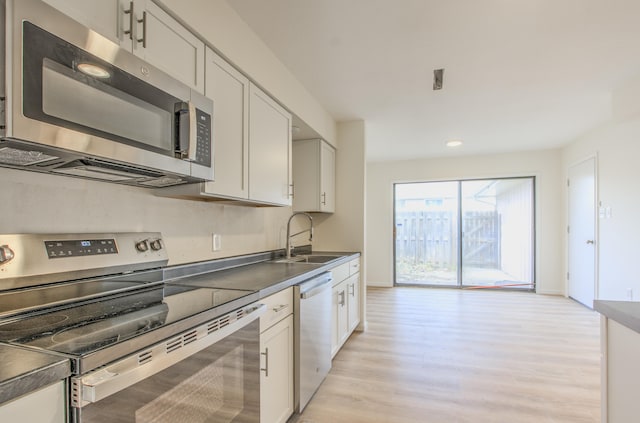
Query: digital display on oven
80,248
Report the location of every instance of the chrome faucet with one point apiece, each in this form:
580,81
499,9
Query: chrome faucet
289,246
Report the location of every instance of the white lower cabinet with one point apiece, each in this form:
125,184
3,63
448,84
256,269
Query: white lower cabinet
353,302
46,405
338,317
345,303
276,355
620,372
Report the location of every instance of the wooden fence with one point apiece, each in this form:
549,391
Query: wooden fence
430,238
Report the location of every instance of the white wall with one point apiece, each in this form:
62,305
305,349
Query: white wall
544,165
344,230
36,203
617,147
221,26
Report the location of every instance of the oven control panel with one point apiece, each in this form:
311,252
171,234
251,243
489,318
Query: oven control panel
36,259
85,247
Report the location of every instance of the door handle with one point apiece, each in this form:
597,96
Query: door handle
129,12
590,241
279,308
266,362
143,21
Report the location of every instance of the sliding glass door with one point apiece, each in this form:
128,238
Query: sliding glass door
426,228
475,233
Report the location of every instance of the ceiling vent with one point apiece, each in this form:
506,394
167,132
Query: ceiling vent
438,74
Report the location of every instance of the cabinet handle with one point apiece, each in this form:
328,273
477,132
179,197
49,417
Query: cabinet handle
324,198
266,362
279,308
129,12
291,190
342,298
352,288
143,21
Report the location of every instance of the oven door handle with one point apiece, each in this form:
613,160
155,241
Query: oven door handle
132,369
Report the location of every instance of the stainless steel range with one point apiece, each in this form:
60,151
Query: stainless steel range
142,349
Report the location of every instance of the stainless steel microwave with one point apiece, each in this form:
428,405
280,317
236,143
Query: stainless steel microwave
75,103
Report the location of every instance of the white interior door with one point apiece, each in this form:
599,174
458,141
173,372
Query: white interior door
582,232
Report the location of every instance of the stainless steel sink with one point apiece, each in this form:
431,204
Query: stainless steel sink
309,259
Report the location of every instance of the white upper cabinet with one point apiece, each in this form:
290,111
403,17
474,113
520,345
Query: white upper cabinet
229,90
269,150
100,15
251,131
162,41
252,143
143,28
314,167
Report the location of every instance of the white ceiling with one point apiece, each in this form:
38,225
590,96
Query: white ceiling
519,74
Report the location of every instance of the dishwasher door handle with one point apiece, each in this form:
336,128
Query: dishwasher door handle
316,285
316,290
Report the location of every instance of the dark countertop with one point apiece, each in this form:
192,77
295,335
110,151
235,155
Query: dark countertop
266,277
626,313
24,371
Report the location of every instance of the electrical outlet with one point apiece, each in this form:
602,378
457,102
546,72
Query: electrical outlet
216,242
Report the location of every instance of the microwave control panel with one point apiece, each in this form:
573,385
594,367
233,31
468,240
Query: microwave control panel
203,151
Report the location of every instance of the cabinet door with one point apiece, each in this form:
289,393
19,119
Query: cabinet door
276,375
229,90
313,176
99,15
269,150
339,316
46,405
166,44
306,174
327,178
353,302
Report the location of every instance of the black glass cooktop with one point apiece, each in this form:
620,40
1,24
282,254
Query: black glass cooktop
20,301
90,326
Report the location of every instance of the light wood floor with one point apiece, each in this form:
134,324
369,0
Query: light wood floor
436,355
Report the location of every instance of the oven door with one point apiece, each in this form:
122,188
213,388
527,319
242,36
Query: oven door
207,374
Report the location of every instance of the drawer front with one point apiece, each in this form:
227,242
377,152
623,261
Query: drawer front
354,266
340,273
279,306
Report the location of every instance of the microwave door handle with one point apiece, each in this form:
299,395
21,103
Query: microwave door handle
186,143
193,133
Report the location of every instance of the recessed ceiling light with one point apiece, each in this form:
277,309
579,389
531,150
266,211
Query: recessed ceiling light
454,143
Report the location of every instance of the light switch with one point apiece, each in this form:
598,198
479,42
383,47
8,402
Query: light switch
217,242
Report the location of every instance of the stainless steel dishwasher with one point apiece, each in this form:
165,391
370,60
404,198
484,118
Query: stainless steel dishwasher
312,336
